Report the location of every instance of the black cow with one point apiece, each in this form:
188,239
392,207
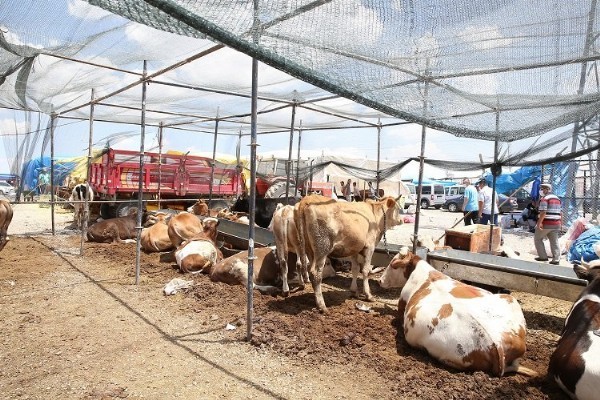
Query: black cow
263,212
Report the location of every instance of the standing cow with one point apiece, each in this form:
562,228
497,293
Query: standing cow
6,214
77,200
327,227
286,240
462,326
575,364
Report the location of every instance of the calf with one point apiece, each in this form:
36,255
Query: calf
6,215
155,238
200,253
575,365
77,200
266,277
121,229
462,326
286,240
330,228
264,208
182,227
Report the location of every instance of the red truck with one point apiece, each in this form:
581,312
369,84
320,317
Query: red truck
182,177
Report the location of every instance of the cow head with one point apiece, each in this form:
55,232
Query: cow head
209,227
156,218
588,271
199,208
392,212
399,269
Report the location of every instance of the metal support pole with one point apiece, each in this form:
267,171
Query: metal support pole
289,160
252,199
214,156
493,214
140,205
378,154
53,119
238,166
160,144
421,164
86,206
298,155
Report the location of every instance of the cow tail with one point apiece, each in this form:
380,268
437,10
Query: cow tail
300,227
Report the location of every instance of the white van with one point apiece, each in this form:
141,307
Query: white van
432,195
411,199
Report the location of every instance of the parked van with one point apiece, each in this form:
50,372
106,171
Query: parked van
411,199
454,191
432,195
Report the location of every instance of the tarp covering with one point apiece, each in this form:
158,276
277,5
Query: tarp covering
62,170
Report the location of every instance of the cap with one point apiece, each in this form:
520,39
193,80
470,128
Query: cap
546,186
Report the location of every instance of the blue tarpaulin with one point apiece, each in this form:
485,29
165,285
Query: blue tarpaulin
33,167
583,246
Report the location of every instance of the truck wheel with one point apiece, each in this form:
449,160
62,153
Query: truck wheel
123,208
277,190
107,211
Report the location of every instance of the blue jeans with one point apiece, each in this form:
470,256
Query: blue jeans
485,219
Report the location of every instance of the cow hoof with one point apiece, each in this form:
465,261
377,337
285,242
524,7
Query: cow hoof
285,294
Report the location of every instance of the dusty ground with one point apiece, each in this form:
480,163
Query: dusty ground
78,327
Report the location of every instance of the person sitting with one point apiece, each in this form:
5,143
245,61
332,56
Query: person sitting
529,217
372,192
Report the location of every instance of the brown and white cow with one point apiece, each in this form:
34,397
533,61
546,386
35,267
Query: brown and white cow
327,227
200,253
6,215
462,326
575,363
182,227
77,200
120,229
155,237
233,270
285,233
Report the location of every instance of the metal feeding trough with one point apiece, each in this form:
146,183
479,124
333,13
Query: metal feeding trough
525,276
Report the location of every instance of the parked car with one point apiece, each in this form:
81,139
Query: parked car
455,204
7,189
432,195
412,198
523,198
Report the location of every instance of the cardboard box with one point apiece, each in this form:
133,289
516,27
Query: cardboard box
474,238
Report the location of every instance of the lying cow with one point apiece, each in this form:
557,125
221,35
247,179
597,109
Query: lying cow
77,200
286,240
120,229
330,228
155,237
182,227
6,215
575,364
200,253
233,270
462,326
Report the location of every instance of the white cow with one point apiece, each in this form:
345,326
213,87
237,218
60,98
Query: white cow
77,200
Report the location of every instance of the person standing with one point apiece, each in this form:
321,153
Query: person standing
355,192
348,190
471,203
485,204
43,181
548,225
372,192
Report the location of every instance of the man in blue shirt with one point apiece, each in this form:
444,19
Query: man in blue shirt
470,203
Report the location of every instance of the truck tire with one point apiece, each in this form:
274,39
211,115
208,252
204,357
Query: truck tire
107,211
277,190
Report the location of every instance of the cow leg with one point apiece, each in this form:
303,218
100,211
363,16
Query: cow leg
366,268
283,268
316,276
354,285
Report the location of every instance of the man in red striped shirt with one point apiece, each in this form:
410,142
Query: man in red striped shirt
548,225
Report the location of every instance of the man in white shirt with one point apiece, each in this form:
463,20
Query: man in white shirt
485,204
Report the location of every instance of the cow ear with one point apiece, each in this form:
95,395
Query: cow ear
391,202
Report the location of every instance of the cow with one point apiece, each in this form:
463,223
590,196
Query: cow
200,253
77,200
286,240
6,215
575,364
264,208
329,228
209,208
182,227
233,270
462,326
155,237
120,229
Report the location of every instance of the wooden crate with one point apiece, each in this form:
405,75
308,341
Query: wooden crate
474,238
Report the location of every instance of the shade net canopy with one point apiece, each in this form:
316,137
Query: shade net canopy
519,72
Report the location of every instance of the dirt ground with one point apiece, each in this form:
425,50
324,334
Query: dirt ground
78,327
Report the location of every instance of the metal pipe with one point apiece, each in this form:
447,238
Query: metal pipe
86,206
289,160
52,127
141,180
160,144
378,154
212,163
